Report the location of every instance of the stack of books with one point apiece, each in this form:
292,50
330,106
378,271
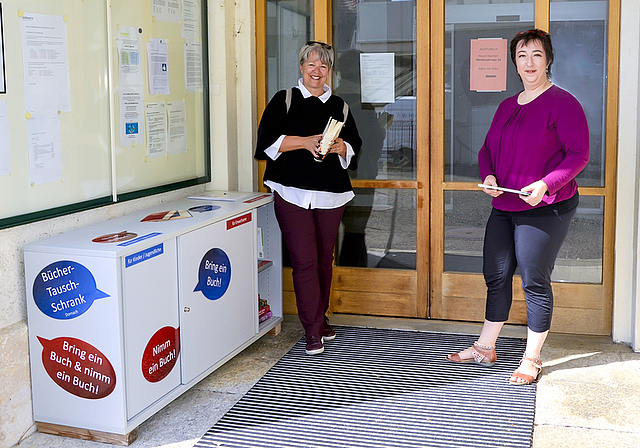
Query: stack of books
168,215
264,310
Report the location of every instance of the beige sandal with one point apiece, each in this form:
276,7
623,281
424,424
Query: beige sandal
526,379
485,355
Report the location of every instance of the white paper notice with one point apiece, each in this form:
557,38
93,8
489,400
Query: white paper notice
45,62
177,135
3,86
190,20
45,153
5,143
156,125
131,124
378,78
130,66
166,10
158,63
193,66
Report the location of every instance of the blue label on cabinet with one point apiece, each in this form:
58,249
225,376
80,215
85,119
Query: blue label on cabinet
214,274
144,255
65,290
140,238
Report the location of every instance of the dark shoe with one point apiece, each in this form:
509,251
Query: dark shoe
329,334
314,345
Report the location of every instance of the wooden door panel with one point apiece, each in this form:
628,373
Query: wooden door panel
376,304
288,295
374,280
380,292
578,308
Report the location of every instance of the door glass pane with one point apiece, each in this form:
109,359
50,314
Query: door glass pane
289,27
580,67
379,230
465,217
580,257
380,35
468,113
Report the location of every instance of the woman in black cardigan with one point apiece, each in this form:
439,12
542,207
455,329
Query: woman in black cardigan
310,191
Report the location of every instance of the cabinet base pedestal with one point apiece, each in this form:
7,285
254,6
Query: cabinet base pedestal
275,331
87,434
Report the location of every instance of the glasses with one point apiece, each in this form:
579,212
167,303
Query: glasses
322,44
537,32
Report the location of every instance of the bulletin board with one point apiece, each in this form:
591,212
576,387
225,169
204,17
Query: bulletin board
61,106
171,100
56,154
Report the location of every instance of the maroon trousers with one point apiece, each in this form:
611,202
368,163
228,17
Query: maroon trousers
310,236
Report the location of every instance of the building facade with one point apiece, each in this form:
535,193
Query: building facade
238,73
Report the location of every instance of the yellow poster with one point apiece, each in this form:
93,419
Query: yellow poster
488,65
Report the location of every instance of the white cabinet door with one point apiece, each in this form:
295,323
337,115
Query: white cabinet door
151,324
218,300
73,304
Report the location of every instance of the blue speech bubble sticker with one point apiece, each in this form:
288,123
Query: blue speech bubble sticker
214,274
204,208
65,290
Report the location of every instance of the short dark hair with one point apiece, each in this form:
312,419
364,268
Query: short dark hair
533,34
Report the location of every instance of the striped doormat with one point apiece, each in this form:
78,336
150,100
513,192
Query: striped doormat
382,389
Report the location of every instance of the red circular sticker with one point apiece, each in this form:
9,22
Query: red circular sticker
161,354
115,237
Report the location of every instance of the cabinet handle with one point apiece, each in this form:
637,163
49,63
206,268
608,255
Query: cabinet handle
187,309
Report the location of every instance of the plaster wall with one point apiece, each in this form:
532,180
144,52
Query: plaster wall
626,323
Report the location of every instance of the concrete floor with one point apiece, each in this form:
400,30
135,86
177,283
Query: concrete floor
588,395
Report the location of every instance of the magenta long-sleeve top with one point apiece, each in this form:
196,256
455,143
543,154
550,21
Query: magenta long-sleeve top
546,139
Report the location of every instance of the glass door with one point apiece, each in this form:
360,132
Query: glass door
381,264
382,255
582,48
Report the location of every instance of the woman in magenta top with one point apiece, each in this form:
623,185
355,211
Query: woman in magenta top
538,142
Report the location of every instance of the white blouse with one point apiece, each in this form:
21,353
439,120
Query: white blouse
310,199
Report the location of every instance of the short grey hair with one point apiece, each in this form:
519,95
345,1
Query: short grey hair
321,49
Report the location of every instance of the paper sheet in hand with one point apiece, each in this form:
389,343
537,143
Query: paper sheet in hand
508,190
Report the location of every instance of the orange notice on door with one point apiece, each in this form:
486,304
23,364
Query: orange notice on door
488,65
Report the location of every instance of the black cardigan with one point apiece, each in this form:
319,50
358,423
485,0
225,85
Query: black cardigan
306,116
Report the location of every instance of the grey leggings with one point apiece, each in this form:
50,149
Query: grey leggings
530,241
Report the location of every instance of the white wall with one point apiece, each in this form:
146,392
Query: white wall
233,100
626,317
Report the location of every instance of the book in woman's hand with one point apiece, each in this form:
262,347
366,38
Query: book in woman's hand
331,132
